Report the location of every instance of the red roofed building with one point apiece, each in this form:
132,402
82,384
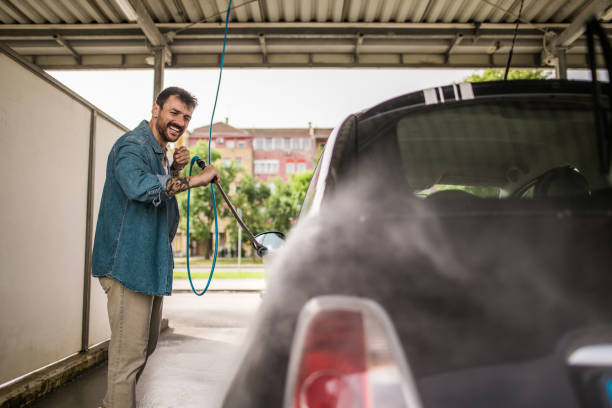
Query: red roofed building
265,153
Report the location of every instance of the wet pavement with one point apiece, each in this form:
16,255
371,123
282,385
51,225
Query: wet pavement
194,360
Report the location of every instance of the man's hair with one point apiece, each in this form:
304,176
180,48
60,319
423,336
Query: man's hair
187,98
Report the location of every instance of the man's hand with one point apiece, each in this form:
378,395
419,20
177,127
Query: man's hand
181,159
209,174
176,185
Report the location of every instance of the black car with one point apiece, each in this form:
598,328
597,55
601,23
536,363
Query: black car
454,250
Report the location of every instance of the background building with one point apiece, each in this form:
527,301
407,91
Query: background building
265,153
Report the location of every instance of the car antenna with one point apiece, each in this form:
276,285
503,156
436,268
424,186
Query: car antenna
518,21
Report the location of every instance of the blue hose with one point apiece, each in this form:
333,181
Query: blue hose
193,160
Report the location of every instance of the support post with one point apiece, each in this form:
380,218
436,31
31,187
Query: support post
159,65
89,222
561,65
239,240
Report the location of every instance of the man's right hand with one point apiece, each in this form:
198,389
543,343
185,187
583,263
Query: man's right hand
209,174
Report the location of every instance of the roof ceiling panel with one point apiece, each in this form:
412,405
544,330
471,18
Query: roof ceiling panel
42,9
404,10
311,30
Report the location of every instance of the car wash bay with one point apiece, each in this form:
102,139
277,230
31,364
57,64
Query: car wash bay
194,359
53,315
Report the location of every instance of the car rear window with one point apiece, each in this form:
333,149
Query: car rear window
515,147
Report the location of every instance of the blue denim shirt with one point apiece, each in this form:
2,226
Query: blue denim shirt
137,219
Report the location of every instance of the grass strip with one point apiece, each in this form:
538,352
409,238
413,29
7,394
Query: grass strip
220,261
220,275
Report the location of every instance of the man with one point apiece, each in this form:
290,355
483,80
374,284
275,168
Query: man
137,221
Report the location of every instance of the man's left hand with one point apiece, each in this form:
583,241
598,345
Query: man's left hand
181,158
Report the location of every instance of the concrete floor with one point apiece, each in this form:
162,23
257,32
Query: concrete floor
192,364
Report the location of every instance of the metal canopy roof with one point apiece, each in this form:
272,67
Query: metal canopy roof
298,33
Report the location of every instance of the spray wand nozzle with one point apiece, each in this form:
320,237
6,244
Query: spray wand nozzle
261,250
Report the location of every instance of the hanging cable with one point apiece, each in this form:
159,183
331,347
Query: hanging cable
195,158
518,21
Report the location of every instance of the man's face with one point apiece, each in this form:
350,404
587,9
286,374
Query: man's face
172,120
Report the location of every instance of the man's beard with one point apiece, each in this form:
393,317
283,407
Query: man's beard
165,129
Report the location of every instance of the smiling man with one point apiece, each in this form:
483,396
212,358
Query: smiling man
137,221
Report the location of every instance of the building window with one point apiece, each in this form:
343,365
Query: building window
290,168
266,166
287,144
305,144
278,143
241,144
269,143
230,144
301,167
227,162
238,161
258,144
295,143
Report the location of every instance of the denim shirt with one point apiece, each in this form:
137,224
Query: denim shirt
137,219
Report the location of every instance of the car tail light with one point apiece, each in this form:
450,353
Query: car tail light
346,354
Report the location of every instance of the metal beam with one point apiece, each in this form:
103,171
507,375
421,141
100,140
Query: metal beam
262,45
61,41
577,27
150,30
159,65
561,65
556,44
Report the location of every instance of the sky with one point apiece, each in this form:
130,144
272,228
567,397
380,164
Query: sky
259,98
264,98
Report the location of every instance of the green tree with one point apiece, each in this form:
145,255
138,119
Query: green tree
201,215
286,201
250,198
498,75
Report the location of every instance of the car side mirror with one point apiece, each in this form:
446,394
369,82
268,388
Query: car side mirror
270,240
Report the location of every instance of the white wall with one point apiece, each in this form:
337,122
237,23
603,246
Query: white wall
45,133
106,135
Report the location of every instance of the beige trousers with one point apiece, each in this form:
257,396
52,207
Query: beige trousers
135,320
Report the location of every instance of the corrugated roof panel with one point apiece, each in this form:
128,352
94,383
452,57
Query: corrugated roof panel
76,10
241,13
450,14
533,9
388,10
5,18
503,9
42,9
549,10
466,13
355,10
306,14
109,11
287,10
404,11
435,10
371,12
14,13
192,8
273,10
323,10
420,10
566,12
27,10
92,11
157,11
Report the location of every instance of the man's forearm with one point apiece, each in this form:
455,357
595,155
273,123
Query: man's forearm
176,185
175,171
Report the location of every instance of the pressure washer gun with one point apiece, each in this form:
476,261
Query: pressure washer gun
261,250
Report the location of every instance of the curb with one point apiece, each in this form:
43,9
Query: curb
42,382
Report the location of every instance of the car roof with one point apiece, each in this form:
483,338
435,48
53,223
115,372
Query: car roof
476,90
